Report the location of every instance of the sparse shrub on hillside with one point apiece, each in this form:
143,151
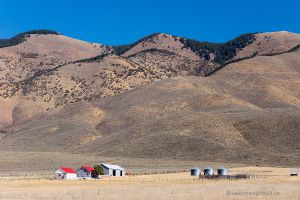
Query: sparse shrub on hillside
22,37
295,48
92,59
162,51
29,55
121,49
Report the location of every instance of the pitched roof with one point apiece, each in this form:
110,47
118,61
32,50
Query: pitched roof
68,170
117,167
88,168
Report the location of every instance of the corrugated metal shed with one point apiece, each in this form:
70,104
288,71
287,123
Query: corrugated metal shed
112,170
115,167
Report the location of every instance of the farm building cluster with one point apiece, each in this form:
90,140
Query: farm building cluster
87,172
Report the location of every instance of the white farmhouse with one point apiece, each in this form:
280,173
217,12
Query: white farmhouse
85,172
112,170
65,173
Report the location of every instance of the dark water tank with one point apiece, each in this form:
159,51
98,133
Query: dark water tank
222,171
195,171
208,171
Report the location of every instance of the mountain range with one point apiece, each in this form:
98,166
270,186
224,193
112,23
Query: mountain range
162,96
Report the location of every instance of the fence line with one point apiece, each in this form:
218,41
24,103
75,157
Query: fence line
135,178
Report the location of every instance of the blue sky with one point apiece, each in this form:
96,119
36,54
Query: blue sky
122,22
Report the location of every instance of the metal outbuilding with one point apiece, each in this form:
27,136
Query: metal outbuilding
112,170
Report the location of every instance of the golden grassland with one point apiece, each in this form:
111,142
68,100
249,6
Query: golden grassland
268,183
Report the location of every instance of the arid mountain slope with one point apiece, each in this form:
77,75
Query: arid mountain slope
48,71
247,108
19,64
270,43
161,97
40,52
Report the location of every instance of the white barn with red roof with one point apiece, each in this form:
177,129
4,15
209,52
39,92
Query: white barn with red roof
85,172
65,173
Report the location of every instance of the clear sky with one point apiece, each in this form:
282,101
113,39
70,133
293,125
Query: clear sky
122,22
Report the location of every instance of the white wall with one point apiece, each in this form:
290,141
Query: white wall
70,176
109,172
58,175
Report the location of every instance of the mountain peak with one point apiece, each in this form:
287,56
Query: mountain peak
41,32
22,37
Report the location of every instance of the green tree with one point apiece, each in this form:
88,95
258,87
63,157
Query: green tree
98,170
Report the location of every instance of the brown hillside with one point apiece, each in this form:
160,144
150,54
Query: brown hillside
270,43
26,60
58,94
44,72
247,108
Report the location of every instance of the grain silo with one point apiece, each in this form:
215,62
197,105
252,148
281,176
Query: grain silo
195,171
222,171
208,171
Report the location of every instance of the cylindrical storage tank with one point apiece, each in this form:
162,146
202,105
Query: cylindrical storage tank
222,171
208,171
195,171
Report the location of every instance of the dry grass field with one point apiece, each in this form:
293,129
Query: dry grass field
273,183
42,164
